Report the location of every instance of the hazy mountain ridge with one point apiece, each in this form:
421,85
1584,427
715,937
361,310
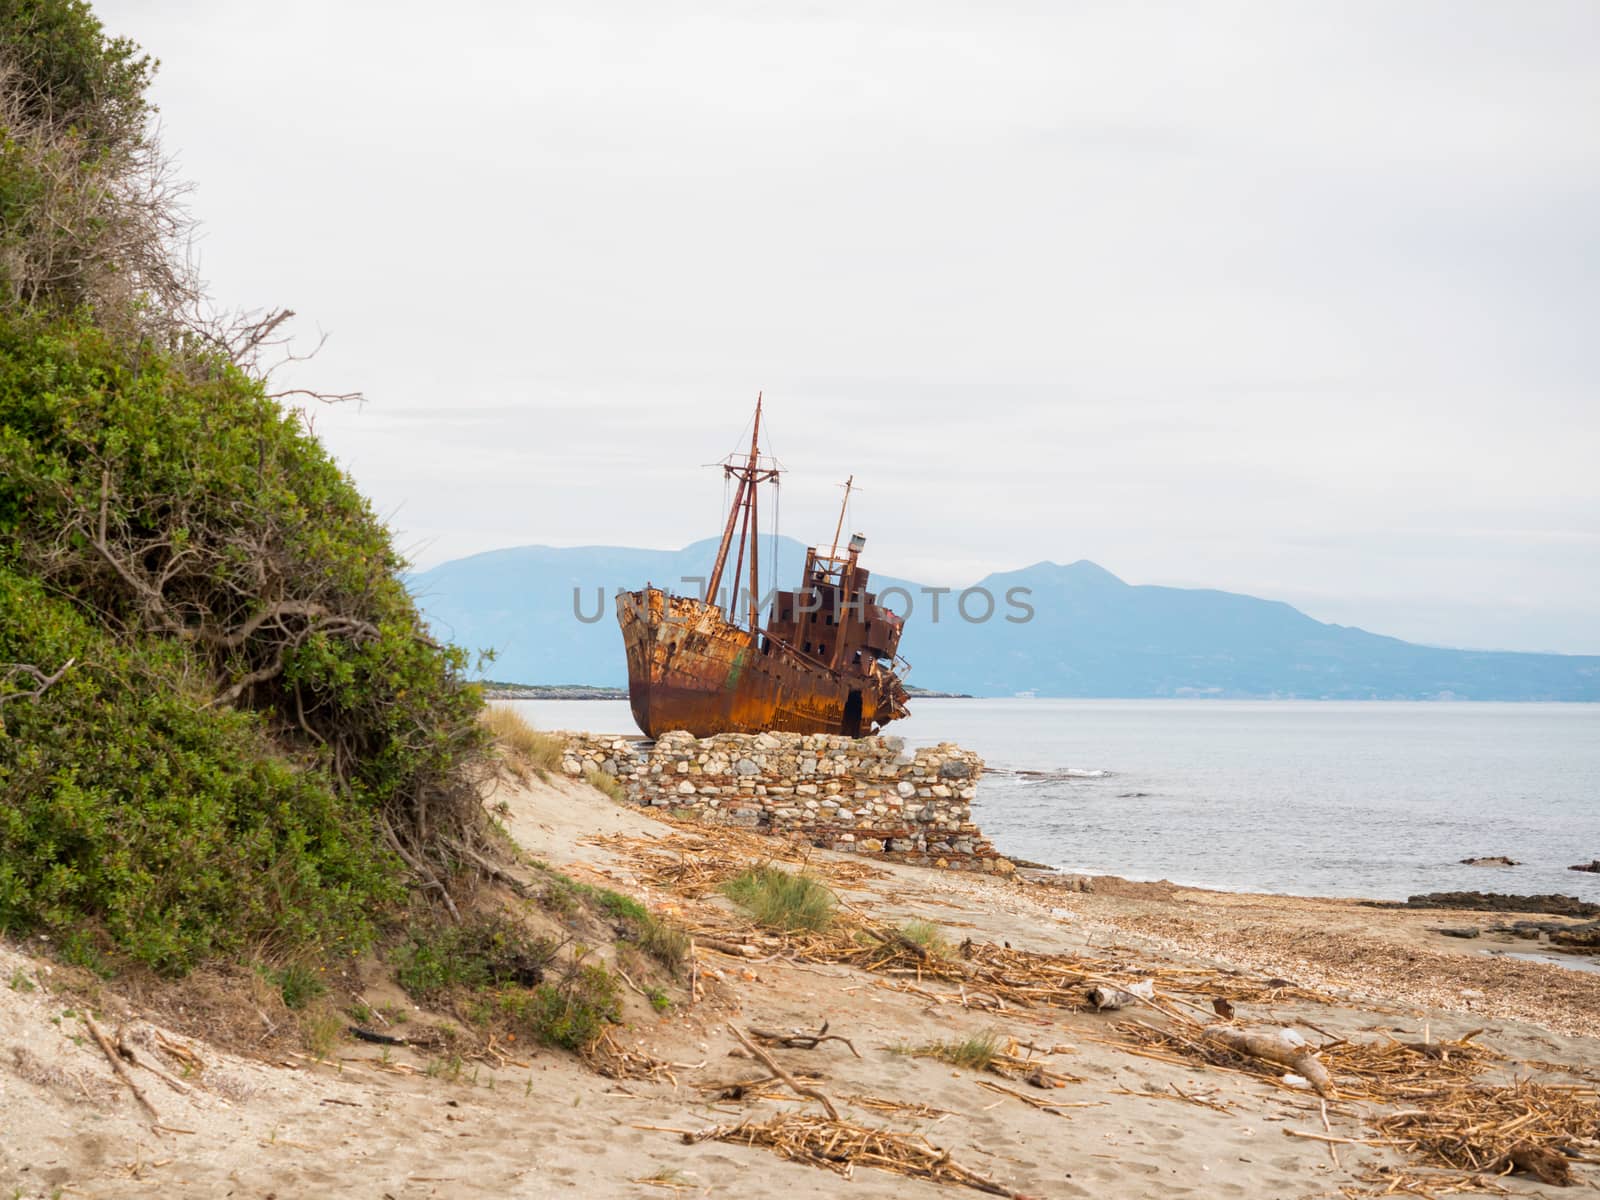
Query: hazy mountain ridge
1090,633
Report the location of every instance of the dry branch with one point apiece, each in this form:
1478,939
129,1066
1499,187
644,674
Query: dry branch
795,1085
840,1146
1275,1045
801,1041
116,1065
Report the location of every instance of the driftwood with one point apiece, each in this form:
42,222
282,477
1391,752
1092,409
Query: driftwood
795,1085
1543,1163
801,1041
840,1146
1105,996
734,949
115,1060
1275,1045
127,1052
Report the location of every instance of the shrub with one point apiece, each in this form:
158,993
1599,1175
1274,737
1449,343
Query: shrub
179,830
222,719
217,564
570,1014
481,953
775,898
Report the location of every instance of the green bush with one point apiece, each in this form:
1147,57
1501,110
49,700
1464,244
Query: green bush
775,898
299,984
178,829
223,724
570,1014
481,953
196,510
255,714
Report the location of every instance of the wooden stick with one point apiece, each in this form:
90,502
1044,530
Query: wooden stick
104,1042
1333,1151
802,1041
1343,1141
795,1085
171,1081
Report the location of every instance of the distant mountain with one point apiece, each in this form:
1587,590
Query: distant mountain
1089,633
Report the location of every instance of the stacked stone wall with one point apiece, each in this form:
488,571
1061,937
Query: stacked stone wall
866,795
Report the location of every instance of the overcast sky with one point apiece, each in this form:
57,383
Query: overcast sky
1301,300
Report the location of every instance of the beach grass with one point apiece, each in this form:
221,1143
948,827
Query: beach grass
780,900
600,781
524,747
975,1053
927,935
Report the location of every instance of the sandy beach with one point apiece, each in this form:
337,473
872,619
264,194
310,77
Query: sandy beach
1122,1112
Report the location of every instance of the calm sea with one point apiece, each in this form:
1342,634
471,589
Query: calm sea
1310,798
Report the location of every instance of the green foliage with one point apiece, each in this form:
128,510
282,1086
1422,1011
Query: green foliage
927,935
974,1053
775,898
481,953
177,829
71,71
223,725
199,511
299,984
254,708
570,1014
618,905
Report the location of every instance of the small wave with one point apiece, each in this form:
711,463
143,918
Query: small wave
1063,773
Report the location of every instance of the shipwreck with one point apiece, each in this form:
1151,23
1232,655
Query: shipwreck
826,662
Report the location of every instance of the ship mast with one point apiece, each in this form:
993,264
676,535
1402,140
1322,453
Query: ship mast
743,514
844,506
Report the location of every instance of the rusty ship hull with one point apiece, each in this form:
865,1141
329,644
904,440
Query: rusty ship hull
689,668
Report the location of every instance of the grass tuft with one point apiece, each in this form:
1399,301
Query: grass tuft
775,898
298,984
600,781
525,748
927,935
975,1053
321,1030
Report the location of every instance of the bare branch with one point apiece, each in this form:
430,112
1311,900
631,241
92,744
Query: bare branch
42,681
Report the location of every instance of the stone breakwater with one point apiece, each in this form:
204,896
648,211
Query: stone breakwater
865,795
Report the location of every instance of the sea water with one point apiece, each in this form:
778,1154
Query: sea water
1312,798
